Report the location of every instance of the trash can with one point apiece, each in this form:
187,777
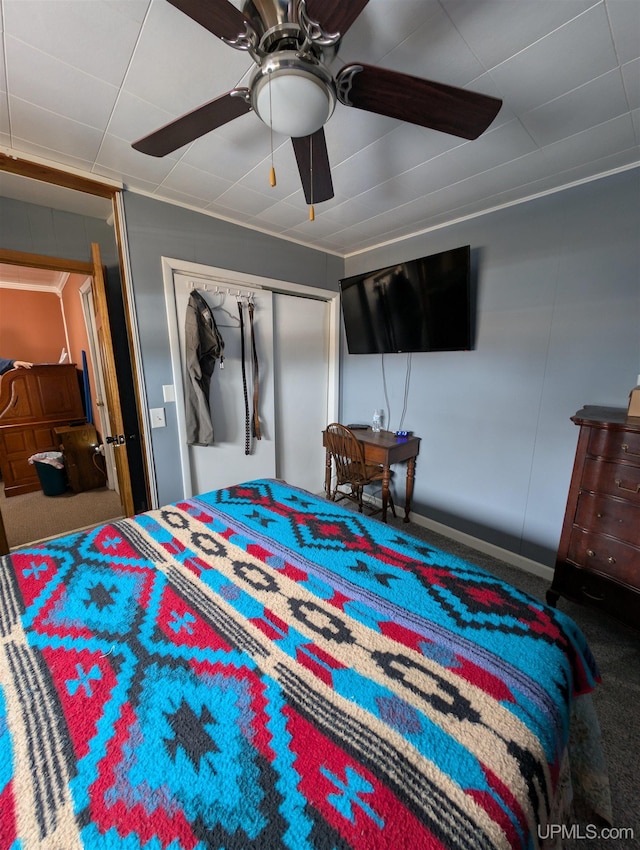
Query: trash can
50,469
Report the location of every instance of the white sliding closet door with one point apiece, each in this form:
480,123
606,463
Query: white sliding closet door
226,463
301,365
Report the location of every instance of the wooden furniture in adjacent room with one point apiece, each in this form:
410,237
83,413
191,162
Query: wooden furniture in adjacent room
384,448
33,402
598,559
85,468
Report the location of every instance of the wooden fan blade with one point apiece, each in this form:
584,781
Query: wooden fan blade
458,112
335,16
313,164
194,124
217,16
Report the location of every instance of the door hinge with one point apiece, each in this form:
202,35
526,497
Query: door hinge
119,439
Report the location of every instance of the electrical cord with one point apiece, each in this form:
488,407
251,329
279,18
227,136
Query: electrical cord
407,380
386,394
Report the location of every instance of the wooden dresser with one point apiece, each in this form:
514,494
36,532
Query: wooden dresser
33,402
598,561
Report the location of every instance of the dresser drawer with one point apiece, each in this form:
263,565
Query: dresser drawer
608,515
614,479
615,445
606,555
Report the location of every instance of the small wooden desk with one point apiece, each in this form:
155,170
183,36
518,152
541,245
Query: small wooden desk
385,448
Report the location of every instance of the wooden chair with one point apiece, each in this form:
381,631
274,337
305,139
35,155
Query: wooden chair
351,469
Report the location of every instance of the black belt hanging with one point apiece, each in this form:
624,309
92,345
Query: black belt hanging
247,420
256,379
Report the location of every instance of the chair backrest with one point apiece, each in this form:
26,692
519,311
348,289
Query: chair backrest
347,453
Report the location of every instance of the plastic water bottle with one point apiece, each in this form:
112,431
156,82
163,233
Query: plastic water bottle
376,424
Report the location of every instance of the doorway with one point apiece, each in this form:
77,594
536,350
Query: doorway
60,294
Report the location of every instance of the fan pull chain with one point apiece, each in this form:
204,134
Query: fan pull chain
272,173
312,212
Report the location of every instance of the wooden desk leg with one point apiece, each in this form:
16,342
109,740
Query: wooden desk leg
386,475
327,476
411,474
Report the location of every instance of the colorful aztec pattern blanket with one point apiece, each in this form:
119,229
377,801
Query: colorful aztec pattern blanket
260,668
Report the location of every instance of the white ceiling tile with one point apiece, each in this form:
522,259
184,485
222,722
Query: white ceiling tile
48,82
382,26
496,30
63,158
86,78
283,214
437,51
559,62
245,201
182,198
118,155
587,106
287,176
631,77
133,118
507,142
192,181
233,152
129,181
97,36
624,16
592,144
178,65
584,171
350,130
4,113
36,125
3,64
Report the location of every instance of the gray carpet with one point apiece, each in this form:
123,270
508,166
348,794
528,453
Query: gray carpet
617,698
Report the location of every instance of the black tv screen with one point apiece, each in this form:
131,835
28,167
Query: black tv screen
419,305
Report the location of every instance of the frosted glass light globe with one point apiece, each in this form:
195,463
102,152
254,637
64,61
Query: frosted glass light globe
293,103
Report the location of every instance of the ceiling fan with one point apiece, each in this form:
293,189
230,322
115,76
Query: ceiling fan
292,90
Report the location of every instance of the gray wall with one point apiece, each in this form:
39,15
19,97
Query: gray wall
157,229
558,327
54,233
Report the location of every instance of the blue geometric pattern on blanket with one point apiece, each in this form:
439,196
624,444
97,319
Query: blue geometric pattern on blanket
256,668
184,717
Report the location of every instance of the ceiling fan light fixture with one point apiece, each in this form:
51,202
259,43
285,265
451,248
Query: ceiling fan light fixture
292,99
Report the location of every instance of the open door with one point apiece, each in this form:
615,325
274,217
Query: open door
112,397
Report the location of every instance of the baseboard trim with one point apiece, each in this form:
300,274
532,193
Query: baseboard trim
511,558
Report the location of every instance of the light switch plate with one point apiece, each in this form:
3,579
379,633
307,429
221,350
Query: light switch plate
157,417
168,392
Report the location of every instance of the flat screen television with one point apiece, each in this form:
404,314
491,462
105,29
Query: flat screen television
418,305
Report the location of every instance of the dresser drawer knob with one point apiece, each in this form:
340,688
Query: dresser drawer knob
591,553
620,486
625,449
611,559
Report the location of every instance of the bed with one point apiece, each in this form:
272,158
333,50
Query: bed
257,667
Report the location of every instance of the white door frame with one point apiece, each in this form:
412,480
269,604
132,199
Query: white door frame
226,278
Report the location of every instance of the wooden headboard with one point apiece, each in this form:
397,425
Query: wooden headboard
32,403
